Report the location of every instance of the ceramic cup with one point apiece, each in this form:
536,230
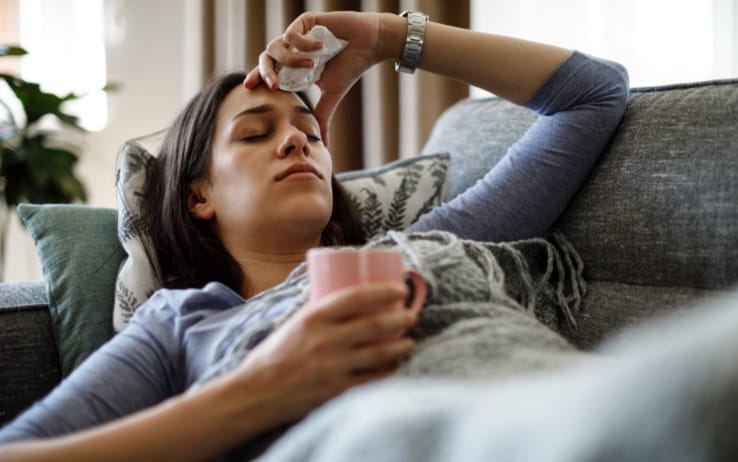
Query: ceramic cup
333,268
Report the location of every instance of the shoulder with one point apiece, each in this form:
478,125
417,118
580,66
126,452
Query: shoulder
181,308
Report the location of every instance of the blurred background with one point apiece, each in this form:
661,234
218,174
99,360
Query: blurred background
160,52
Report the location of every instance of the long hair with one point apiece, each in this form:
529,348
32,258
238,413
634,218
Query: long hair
188,251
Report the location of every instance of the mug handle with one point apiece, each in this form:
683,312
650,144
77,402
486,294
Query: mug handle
418,291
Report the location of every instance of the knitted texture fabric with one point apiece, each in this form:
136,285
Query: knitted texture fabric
494,309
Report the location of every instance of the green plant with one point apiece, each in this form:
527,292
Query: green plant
34,167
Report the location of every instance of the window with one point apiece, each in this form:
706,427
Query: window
659,41
67,53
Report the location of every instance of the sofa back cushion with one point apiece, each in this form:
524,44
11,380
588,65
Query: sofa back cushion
660,209
662,206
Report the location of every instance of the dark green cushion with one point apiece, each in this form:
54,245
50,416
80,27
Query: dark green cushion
80,255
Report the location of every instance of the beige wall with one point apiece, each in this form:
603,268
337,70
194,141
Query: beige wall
8,30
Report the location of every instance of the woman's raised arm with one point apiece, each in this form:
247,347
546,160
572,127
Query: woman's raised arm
511,68
583,99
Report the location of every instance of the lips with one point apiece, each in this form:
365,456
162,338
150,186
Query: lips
299,167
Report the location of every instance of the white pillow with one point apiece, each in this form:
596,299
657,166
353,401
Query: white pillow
390,197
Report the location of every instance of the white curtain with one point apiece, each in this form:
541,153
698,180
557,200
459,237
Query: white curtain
659,41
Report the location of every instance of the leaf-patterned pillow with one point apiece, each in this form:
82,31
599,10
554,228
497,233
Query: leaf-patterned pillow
388,197
394,196
136,279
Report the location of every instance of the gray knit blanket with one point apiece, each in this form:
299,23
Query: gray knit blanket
493,310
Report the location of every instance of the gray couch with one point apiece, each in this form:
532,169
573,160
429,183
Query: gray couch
656,223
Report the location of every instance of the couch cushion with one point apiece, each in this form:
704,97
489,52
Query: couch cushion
610,308
23,294
80,255
661,207
29,365
476,132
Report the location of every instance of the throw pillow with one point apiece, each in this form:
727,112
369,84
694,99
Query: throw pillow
80,256
389,197
136,281
394,196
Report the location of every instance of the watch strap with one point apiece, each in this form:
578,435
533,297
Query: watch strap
413,41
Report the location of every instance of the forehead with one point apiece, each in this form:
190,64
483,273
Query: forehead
241,98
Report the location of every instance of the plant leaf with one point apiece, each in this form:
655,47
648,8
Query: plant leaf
111,86
40,174
12,50
37,103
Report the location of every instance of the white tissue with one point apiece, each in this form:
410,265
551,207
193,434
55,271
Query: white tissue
300,78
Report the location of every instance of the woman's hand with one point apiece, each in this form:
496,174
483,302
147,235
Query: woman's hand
324,349
365,33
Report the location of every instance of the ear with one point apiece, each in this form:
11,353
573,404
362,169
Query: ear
197,200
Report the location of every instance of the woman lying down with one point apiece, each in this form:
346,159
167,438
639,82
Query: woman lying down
229,353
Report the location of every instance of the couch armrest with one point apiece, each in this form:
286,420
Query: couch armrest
14,295
29,362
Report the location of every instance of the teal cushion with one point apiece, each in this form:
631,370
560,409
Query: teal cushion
80,256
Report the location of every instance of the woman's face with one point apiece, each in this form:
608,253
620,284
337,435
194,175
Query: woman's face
269,183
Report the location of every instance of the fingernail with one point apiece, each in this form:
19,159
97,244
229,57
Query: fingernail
317,45
270,81
307,62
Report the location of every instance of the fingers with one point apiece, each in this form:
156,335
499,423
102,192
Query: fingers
280,51
376,327
263,72
267,71
380,356
350,302
295,36
300,41
253,78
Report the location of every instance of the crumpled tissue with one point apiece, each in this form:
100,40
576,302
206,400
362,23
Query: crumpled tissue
299,79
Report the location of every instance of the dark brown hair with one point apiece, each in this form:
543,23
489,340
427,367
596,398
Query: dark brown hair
188,251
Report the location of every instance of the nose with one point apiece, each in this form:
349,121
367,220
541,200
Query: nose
293,141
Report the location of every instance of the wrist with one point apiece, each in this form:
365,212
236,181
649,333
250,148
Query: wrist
392,33
235,411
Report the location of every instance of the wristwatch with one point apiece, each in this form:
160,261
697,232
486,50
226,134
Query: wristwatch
413,41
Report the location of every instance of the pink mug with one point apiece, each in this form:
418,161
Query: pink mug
333,268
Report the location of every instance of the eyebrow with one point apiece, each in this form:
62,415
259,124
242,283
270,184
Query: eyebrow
264,108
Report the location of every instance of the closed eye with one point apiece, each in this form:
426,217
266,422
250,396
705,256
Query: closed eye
263,136
254,138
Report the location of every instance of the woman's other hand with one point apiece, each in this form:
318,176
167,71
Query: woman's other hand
326,348
366,34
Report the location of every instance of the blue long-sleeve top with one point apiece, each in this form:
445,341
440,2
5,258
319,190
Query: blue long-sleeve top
171,339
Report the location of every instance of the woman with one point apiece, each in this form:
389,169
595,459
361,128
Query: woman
249,188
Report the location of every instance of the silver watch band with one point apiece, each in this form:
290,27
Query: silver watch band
413,41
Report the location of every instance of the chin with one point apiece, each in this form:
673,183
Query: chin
309,213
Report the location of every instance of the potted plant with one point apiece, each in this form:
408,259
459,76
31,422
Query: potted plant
35,164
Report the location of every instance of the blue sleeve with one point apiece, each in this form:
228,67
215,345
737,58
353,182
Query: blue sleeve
579,108
134,370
